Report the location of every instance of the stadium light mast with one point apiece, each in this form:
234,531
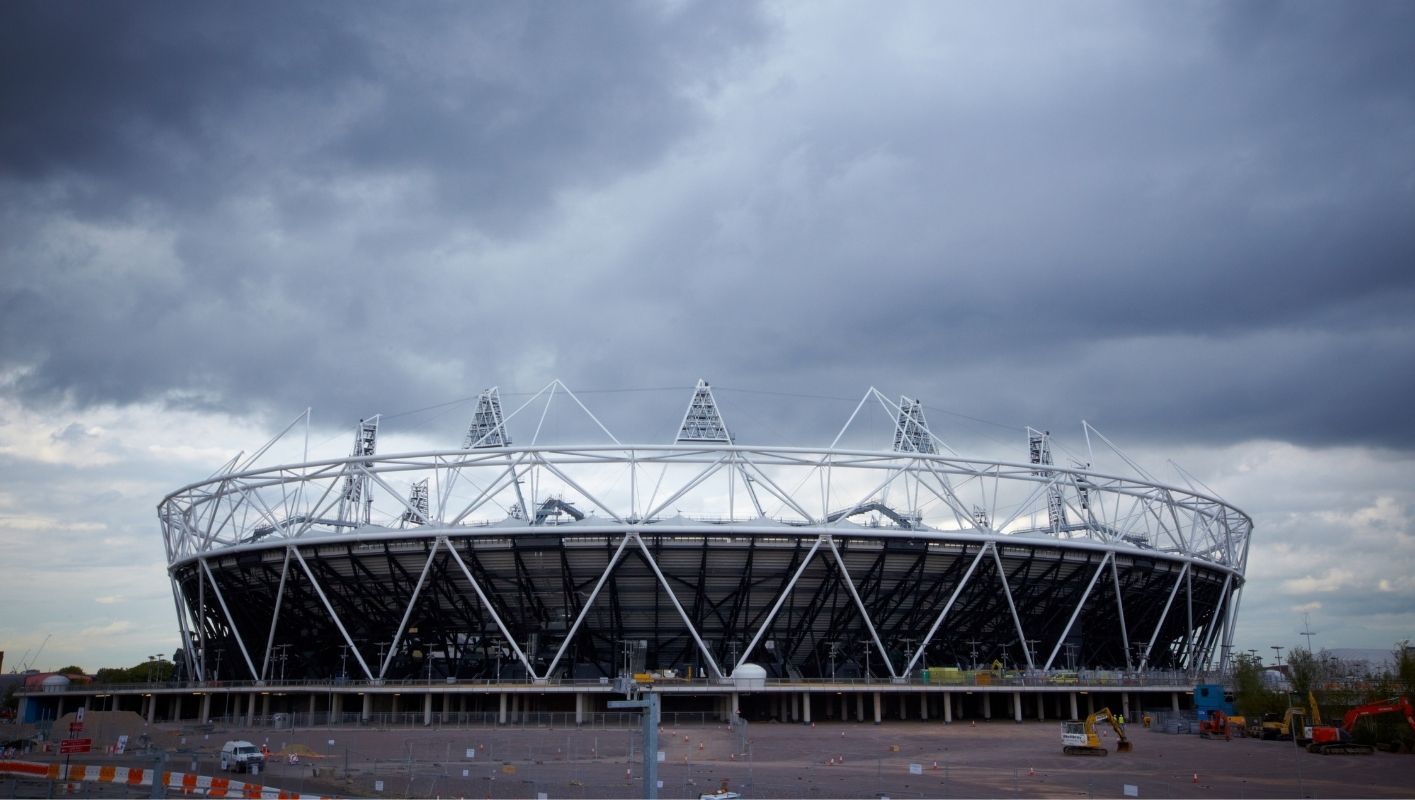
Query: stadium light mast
488,427
702,422
1039,445
417,511
356,505
911,430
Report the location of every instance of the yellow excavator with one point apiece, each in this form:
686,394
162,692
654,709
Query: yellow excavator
1079,737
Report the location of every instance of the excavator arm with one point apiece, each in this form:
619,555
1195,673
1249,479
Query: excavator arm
1398,705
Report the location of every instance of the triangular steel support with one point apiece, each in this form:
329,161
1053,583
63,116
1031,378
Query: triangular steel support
702,422
911,430
488,428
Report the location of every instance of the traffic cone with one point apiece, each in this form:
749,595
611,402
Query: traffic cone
1031,770
700,745
1196,777
935,766
731,756
830,763
842,734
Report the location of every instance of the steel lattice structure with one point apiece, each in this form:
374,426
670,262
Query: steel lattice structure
542,562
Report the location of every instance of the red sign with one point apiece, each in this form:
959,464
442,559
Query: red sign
68,746
76,727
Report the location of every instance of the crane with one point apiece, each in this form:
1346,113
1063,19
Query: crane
1079,738
25,666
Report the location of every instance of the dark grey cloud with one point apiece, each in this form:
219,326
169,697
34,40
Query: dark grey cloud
1187,221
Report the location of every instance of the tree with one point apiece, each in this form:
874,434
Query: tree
1306,672
1251,695
71,670
1405,667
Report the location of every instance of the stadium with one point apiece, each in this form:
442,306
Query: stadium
696,562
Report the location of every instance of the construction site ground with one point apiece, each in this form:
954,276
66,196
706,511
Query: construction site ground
835,760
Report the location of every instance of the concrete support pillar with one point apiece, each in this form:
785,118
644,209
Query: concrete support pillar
806,707
336,707
368,708
1074,714
924,707
446,708
795,707
176,707
151,707
736,708
877,708
205,708
24,707
1041,707
1090,704
265,706
1125,704
501,716
987,705
1017,706
59,711
579,708
427,709
903,707
859,707
313,706
947,708
1174,702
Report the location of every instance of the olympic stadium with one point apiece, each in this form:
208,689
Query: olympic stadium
518,566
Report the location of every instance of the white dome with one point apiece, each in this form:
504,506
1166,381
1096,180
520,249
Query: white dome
749,676
54,683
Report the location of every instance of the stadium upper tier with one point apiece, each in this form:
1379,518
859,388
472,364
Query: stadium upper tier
545,561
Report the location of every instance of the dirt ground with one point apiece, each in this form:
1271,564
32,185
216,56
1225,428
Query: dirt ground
993,759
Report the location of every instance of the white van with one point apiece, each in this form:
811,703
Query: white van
240,756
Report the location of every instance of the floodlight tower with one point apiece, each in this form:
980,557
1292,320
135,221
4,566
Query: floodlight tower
1039,445
702,422
357,503
911,430
416,513
488,428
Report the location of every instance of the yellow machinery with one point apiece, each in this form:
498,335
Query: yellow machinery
1079,737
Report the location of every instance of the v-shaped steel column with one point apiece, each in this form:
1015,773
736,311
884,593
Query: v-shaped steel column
850,584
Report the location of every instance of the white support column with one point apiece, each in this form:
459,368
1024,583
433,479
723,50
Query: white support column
446,707
313,697
795,707
987,705
501,716
736,708
1017,706
859,706
367,713
336,708
176,708
250,709
1090,704
1125,704
1174,702
806,707
947,708
1041,707
151,707
427,709
877,708
924,707
903,707
265,706
579,708
205,709
1074,713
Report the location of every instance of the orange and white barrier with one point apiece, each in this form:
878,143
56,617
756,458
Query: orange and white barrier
135,776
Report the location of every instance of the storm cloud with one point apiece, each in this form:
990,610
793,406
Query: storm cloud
1190,224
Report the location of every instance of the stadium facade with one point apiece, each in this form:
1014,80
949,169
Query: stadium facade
547,564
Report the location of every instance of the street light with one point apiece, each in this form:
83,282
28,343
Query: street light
1278,650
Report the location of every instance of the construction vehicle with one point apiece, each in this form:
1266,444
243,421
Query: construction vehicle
1079,737
1334,740
1291,723
1215,726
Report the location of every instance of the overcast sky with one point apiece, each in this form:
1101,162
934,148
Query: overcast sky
1192,224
